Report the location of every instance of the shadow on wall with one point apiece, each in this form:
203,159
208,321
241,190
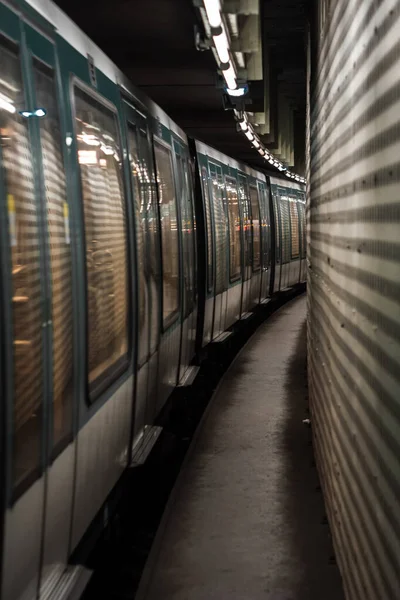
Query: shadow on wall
304,503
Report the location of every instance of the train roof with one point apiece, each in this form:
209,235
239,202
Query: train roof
71,33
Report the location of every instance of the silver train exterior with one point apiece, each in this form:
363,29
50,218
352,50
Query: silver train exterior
124,244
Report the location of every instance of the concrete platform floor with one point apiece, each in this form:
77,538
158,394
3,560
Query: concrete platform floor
245,519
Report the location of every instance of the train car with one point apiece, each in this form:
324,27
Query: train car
107,281
255,240
288,204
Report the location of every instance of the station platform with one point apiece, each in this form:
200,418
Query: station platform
245,520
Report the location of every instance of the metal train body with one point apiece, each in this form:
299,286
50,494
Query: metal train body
124,248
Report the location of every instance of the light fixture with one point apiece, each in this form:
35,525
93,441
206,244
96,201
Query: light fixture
243,125
39,112
230,77
222,46
256,143
25,113
68,140
213,10
240,91
261,151
249,135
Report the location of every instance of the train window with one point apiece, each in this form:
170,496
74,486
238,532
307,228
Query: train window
255,219
294,226
25,268
60,253
99,157
169,232
139,182
220,230
210,274
234,229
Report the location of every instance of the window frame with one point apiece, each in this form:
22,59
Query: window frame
102,383
166,323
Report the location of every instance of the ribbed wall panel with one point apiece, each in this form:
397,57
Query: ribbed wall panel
354,286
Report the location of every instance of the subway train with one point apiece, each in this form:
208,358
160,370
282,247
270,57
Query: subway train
126,248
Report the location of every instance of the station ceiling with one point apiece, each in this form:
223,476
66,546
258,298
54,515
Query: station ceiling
153,42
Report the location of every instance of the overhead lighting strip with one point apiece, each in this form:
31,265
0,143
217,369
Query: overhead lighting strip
215,28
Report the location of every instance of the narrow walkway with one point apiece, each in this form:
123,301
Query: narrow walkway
245,520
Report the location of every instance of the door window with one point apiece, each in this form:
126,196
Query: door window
169,232
104,208
210,262
26,301
60,252
234,229
255,222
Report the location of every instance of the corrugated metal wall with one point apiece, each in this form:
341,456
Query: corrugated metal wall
354,285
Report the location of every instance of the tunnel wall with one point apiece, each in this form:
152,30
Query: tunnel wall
354,285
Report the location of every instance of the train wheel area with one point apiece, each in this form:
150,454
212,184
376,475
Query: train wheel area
224,491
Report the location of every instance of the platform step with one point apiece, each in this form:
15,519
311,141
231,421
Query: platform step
246,315
222,337
70,585
189,376
145,445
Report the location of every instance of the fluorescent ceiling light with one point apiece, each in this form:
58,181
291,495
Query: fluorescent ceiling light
255,143
243,125
39,112
222,46
230,77
240,91
249,135
213,10
261,151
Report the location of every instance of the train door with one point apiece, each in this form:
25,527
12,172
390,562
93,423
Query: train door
265,242
286,238
187,253
256,244
247,249
38,299
221,248
209,282
234,300
147,268
276,284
